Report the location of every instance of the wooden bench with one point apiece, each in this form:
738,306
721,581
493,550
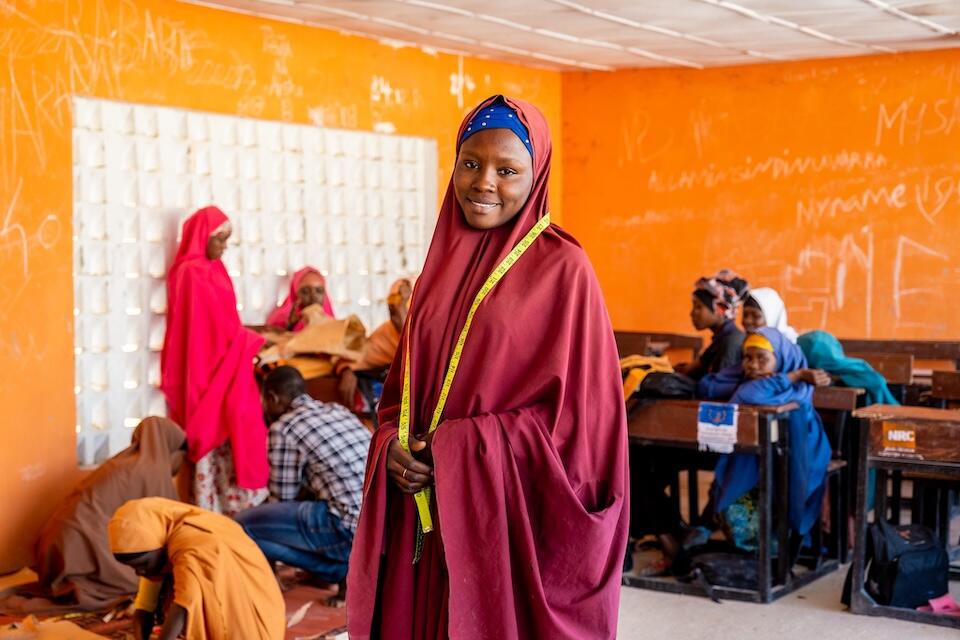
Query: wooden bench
918,441
673,423
897,368
919,349
928,356
640,343
837,398
946,387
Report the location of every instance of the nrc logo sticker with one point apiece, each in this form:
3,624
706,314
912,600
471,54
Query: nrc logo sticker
899,437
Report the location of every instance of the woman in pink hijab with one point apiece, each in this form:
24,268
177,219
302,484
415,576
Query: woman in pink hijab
503,414
207,374
307,287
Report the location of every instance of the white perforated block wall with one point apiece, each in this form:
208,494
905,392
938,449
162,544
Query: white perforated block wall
358,206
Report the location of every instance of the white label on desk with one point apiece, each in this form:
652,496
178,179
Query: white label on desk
717,427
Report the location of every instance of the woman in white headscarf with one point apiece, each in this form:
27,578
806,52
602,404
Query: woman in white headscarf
764,308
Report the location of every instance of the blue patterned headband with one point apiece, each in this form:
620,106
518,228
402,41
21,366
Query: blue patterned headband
498,116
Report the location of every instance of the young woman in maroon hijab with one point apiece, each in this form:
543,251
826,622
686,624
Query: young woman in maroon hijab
527,470
206,371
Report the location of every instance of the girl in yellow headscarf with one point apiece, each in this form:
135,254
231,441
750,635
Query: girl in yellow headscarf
223,587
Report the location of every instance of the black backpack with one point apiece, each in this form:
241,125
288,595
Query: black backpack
907,565
716,564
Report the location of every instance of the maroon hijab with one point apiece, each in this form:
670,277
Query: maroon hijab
530,461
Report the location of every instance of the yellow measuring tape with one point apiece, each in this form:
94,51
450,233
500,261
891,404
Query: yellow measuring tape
422,497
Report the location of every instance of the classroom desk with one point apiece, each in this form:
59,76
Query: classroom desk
673,423
928,445
639,342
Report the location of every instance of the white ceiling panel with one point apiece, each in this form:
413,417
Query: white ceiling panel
612,34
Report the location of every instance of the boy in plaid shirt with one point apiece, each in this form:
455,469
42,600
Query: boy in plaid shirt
318,453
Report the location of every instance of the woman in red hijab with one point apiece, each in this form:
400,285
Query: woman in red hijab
307,287
520,522
206,370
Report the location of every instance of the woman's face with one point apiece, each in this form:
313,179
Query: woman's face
149,565
758,363
493,178
217,244
753,318
311,291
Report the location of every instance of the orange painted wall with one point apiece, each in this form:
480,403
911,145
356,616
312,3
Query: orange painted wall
166,53
836,181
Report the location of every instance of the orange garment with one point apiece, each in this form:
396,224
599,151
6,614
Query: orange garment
220,576
381,346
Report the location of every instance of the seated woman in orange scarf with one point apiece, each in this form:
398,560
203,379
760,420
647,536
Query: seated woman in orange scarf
74,566
307,288
222,586
382,344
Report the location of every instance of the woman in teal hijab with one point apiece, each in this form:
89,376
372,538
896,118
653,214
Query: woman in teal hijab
823,351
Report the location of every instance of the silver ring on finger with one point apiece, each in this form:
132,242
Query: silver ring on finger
404,474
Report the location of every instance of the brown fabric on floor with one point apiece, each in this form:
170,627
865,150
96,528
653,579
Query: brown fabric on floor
72,556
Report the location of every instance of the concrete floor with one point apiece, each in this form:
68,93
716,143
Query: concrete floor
812,613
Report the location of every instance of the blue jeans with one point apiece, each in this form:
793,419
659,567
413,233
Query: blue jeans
301,534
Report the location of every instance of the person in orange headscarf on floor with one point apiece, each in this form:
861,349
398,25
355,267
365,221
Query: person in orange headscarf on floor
222,586
74,566
207,373
496,496
307,287
381,346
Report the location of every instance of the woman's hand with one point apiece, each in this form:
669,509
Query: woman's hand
175,624
142,624
816,377
408,473
296,314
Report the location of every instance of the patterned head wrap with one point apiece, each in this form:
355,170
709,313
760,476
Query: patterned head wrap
498,116
722,293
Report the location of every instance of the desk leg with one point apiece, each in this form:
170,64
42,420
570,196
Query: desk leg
693,496
840,430
859,601
785,552
765,491
843,533
942,492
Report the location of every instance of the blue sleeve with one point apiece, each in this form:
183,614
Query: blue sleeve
775,390
721,385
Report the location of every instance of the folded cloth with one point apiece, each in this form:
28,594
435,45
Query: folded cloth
945,605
